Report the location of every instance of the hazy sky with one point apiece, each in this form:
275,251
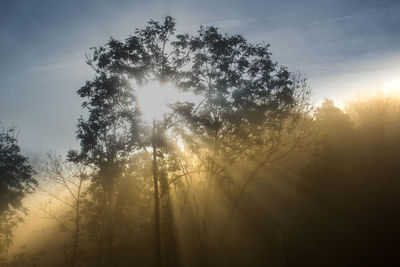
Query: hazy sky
341,46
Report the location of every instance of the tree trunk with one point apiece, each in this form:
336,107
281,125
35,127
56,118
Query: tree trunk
77,226
156,202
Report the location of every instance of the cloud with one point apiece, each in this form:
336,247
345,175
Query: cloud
60,63
280,16
338,19
331,20
229,23
53,67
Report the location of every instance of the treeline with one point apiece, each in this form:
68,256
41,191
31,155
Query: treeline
250,175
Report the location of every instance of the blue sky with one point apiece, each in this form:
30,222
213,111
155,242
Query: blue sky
342,47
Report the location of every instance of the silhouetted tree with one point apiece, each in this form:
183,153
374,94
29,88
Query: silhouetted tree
109,136
16,180
141,59
252,112
249,111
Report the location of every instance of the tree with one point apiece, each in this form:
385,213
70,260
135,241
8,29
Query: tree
16,180
246,97
252,112
113,132
350,185
66,182
109,136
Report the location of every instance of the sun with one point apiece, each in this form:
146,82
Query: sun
154,99
391,86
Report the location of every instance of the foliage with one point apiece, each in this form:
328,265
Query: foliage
251,108
16,180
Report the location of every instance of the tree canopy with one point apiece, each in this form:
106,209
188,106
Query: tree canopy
250,108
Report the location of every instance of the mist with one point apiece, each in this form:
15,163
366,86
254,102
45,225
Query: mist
239,168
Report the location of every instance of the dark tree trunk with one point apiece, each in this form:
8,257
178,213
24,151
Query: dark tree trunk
156,201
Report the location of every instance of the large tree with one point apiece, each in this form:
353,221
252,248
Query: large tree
250,110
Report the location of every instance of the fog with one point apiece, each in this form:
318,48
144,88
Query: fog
240,169
332,200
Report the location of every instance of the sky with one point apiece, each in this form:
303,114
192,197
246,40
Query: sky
342,47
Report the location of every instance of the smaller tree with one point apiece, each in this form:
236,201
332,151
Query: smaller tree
68,182
16,180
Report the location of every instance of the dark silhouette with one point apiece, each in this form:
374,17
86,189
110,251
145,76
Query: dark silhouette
16,180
